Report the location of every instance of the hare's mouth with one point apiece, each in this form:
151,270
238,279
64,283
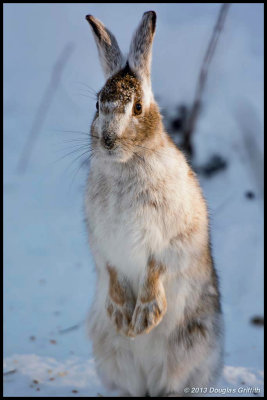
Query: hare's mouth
117,154
110,152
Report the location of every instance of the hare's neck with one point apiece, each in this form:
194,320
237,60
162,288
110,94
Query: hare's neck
135,169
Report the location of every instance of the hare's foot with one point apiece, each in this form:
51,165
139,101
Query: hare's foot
147,315
120,314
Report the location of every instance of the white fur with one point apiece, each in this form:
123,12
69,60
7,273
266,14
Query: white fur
124,236
111,121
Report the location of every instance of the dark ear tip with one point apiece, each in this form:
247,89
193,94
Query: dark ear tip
93,24
153,16
151,12
89,18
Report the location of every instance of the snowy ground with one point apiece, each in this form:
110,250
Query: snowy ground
48,270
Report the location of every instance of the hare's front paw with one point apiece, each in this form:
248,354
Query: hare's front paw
120,300
120,314
147,315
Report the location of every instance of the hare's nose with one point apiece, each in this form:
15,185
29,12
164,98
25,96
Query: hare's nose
108,140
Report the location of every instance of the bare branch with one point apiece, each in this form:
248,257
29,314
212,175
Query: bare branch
194,112
43,108
253,142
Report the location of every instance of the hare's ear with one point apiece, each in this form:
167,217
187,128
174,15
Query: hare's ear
108,49
141,46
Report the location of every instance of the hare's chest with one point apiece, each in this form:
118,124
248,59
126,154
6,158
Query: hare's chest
118,226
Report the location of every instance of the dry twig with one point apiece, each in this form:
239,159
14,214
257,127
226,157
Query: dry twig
11,372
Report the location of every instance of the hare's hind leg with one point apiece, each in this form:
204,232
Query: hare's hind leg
194,361
195,377
115,364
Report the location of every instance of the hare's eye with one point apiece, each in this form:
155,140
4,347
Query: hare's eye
137,108
97,106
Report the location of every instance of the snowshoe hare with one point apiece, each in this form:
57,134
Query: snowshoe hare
155,322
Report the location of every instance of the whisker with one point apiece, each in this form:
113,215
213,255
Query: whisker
74,148
88,86
73,152
147,148
80,140
80,146
68,131
77,158
94,95
140,146
136,154
85,95
84,162
87,134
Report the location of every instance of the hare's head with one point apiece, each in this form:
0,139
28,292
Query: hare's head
127,119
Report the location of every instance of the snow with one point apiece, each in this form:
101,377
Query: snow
48,270
46,376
